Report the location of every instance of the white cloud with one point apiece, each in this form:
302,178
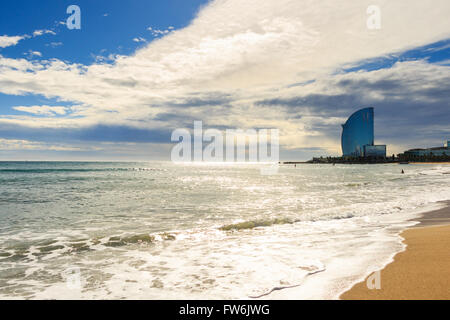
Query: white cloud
30,54
42,110
139,39
54,44
13,144
160,32
39,33
8,41
444,62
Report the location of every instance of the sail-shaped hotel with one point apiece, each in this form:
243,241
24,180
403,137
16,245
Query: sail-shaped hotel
358,136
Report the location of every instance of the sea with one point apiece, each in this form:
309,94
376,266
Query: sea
160,230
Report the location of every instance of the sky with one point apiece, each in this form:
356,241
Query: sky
137,70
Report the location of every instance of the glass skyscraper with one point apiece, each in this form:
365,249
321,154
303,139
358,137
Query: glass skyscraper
358,135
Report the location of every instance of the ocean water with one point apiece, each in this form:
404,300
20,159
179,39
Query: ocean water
157,230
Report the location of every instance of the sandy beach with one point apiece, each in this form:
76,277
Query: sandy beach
419,272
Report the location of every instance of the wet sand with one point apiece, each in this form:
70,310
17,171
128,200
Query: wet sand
422,271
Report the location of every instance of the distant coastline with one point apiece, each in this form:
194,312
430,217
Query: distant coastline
364,161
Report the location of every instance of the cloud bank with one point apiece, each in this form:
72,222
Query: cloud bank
253,64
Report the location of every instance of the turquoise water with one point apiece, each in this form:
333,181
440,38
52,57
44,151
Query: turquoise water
163,230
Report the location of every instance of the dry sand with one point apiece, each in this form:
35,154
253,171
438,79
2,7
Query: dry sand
422,271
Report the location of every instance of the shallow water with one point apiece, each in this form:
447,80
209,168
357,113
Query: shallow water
166,231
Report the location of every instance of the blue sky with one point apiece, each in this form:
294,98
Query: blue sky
436,53
137,70
108,26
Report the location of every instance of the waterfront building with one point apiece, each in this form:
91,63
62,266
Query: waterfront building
358,136
437,151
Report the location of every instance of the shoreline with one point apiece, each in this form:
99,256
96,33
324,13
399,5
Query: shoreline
437,162
363,162
420,272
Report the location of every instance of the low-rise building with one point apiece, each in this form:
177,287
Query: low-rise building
375,151
438,151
